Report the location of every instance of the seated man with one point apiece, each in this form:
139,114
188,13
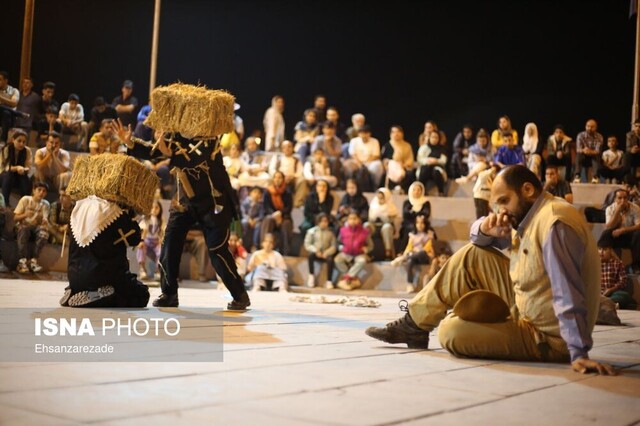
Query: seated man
99,112
53,164
72,119
105,140
31,218
623,225
539,304
556,186
588,149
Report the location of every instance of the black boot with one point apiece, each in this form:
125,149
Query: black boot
241,304
402,330
166,301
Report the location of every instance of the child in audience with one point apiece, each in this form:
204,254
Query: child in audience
32,219
320,244
252,209
614,275
482,190
266,266
238,252
317,167
510,153
419,251
480,156
442,253
612,168
354,245
382,215
151,241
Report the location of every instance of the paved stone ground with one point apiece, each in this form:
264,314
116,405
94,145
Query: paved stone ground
292,363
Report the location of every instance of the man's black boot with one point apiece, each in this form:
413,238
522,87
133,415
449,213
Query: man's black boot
241,304
166,301
402,330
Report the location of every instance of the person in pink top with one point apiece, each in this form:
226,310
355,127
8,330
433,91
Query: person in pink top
354,244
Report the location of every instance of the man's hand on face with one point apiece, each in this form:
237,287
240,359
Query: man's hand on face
497,224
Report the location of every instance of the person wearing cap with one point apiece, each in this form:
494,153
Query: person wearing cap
538,304
100,111
72,118
126,105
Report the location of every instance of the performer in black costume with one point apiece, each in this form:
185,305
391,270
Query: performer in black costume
205,197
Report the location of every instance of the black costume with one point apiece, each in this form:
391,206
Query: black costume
204,188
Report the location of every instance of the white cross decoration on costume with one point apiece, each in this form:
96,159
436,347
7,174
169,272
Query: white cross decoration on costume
194,148
182,151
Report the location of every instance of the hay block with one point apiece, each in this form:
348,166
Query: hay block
114,177
193,111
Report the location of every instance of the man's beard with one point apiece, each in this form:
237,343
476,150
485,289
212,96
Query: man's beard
523,208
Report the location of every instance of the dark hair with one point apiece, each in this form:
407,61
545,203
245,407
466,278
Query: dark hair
366,129
74,97
329,125
636,121
99,101
605,240
106,121
40,184
397,126
52,110
54,134
5,75
18,132
48,85
507,133
552,166
442,247
630,179
558,127
467,126
320,216
517,175
612,136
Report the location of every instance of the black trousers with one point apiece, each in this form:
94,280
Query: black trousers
329,261
12,180
630,240
415,259
216,234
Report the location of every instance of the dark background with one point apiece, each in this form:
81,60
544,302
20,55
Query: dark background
402,62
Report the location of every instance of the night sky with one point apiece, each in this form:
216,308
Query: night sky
403,62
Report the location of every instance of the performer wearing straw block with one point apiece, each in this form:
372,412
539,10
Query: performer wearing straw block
204,195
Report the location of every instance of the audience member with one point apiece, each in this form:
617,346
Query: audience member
532,148
126,105
152,229
320,244
293,170
398,160
363,160
256,163
432,162
267,268
509,154
317,167
72,118
15,164
105,140
504,126
353,199
612,168
333,116
623,226
332,147
460,158
53,164
613,275
382,216
559,151
274,125
589,149
429,127
234,164
482,190
320,200
354,244
416,204
632,155
196,246
418,251
252,209
47,100
305,132
31,217
277,220
481,155
9,98
357,121
48,125
28,105
60,218
239,254
556,186
320,107
101,111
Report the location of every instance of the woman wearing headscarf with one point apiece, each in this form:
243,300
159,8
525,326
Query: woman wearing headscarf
319,200
278,204
532,148
353,199
382,215
417,204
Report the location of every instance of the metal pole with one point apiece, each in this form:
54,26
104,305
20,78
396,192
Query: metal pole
154,46
27,33
636,75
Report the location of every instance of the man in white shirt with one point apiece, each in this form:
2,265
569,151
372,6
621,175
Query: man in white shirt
623,225
72,118
364,151
53,164
9,97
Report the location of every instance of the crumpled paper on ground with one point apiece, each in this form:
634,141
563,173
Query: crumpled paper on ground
360,301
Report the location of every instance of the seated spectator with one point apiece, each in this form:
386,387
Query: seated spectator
105,140
332,147
320,200
252,208
306,131
234,165
623,226
598,215
589,149
504,126
398,160
419,251
15,164
278,204
382,217
611,167
460,158
101,111
31,220
556,186
293,169
532,148
317,167
53,164
614,275
152,234
239,254
47,101
482,190
358,120
196,246
333,116
559,150
480,157
3,219
267,269
72,118
363,160
256,163
9,98
632,154
60,218
320,244
29,105
510,153
432,163
416,204
143,113
352,200
430,126
354,244
442,252
126,105
48,125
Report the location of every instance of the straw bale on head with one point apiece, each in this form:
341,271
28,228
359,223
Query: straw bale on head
114,177
192,111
